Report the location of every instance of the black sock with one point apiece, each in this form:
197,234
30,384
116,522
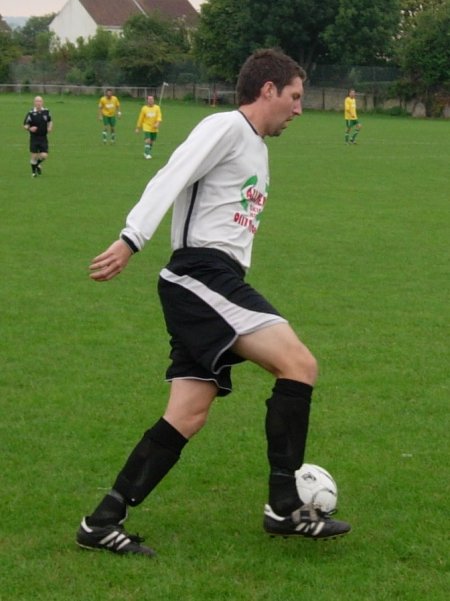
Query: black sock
111,510
151,459
283,495
286,430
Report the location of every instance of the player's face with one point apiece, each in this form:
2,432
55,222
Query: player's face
151,101
285,106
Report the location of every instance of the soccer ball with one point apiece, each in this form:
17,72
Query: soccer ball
315,485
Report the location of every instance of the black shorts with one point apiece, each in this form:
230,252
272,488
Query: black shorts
38,144
207,306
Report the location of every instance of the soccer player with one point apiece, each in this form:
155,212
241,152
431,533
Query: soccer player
38,122
108,109
351,118
217,181
149,121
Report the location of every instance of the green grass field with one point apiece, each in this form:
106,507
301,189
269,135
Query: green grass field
353,249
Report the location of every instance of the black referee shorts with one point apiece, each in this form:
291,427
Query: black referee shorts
38,144
207,306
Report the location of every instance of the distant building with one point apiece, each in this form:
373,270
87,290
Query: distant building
82,18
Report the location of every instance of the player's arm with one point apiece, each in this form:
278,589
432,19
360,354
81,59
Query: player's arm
111,262
31,128
140,120
119,114
204,148
347,107
158,119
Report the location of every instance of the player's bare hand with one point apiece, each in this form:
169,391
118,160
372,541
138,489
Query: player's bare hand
111,262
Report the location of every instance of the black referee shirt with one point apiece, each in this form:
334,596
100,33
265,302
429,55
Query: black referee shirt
40,119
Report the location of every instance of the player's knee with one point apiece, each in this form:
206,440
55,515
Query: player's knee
300,364
188,425
199,421
307,365
194,423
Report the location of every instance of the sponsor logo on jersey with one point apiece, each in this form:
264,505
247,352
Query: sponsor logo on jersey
252,202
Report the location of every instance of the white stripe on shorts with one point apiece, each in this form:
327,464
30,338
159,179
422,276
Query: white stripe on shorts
243,321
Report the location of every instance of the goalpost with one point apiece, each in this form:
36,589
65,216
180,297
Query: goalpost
161,94
205,96
224,97
213,96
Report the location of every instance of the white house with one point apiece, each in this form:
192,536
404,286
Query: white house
82,18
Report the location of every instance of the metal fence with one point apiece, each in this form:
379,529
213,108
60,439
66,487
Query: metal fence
203,92
374,79
324,98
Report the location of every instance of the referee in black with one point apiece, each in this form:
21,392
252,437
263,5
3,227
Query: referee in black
38,121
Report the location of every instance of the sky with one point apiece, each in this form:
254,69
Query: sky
33,8
30,8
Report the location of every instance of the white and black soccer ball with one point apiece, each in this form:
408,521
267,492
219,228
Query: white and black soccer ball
317,486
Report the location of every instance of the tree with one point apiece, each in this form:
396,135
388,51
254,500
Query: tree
28,35
223,38
230,30
149,45
410,9
9,52
296,26
98,54
363,32
424,55
4,25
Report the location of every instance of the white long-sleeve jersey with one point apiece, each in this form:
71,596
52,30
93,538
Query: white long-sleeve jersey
217,180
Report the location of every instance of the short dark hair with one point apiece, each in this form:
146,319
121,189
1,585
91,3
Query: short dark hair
267,64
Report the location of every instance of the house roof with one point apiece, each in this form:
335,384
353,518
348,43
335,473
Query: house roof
114,13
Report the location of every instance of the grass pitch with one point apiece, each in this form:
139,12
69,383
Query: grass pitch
353,249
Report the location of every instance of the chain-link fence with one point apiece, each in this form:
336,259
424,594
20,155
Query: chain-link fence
325,89
376,80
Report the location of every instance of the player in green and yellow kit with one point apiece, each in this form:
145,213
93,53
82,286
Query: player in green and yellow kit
351,118
108,109
149,120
